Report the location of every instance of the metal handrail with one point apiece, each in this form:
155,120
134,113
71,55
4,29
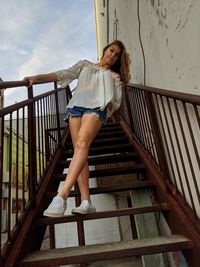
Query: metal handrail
29,151
185,97
167,126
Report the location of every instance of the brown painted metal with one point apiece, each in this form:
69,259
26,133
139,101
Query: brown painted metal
31,148
143,135
181,217
113,188
105,214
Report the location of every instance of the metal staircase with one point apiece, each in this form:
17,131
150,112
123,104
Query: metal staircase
115,148
147,154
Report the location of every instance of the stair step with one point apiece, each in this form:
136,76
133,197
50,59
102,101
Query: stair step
112,188
112,128
110,124
120,249
116,158
105,141
104,214
107,134
109,149
135,168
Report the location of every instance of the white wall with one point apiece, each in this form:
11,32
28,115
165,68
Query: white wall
170,36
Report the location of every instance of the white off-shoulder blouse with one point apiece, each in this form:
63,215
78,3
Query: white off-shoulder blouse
96,86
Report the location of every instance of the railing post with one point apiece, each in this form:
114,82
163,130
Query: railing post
1,170
129,109
31,148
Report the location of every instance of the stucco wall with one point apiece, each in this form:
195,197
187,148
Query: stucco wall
170,37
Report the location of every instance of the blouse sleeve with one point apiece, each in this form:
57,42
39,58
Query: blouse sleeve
117,96
64,77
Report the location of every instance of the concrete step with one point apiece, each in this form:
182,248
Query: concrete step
100,252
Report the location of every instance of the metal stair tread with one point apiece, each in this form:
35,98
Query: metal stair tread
103,142
116,158
105,149
112,188
90,253
110,171
104,214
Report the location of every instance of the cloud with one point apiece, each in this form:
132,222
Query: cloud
65,40
11,48
43,36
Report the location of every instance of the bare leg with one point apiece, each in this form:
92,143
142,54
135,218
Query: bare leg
83,178
89,127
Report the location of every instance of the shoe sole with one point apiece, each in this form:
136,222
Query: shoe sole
51,215
82,212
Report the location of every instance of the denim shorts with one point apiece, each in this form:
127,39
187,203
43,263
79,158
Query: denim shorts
80,111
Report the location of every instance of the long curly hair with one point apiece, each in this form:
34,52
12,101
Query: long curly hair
122,66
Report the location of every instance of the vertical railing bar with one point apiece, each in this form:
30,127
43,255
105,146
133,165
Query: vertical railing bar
141,129
23,158
124,111
52,236
44,129
197,115
144,121
1,170
39,141
137,122
48,127
131,97
154,149
148,126
164,134
144,118
17,167
171,141
147,118
137,116
185,144
53,122
192,135
10,178
179,148
43,134
57,112
37,137
47,116
129,109
196,152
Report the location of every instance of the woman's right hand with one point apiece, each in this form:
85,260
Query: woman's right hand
30,79
41,78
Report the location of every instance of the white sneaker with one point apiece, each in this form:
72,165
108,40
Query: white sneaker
85,207
56,208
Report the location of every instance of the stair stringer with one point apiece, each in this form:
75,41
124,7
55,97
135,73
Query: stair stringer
178,219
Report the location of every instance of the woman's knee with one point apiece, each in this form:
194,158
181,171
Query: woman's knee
81,143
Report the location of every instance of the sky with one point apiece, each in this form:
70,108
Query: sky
43,36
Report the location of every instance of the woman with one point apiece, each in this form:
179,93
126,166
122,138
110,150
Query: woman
97,96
